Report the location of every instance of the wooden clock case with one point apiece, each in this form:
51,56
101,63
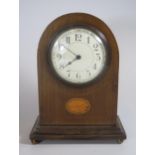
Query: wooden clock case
54,121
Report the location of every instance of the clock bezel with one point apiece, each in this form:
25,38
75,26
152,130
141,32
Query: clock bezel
87,27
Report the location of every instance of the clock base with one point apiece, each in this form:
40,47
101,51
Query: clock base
114,132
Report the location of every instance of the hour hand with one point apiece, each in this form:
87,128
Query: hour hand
70,62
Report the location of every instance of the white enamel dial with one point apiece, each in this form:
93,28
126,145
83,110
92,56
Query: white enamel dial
78,55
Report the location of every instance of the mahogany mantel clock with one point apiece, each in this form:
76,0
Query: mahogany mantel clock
78,81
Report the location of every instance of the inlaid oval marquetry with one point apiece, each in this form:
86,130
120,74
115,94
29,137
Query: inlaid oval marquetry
78,106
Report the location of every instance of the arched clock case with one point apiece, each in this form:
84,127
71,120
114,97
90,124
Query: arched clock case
78,64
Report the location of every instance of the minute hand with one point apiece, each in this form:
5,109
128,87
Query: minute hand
69,50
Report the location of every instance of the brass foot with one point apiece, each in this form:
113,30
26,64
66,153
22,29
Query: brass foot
119,141
34,141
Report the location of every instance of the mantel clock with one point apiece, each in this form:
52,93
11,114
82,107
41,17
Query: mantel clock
78,81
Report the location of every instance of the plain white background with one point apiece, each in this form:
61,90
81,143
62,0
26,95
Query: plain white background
34,17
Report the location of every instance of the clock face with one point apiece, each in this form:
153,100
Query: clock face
78,55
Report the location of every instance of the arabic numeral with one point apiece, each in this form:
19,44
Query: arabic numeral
78,37
95,46
95,66
68,40
88,40
68,73
98,56
78,76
